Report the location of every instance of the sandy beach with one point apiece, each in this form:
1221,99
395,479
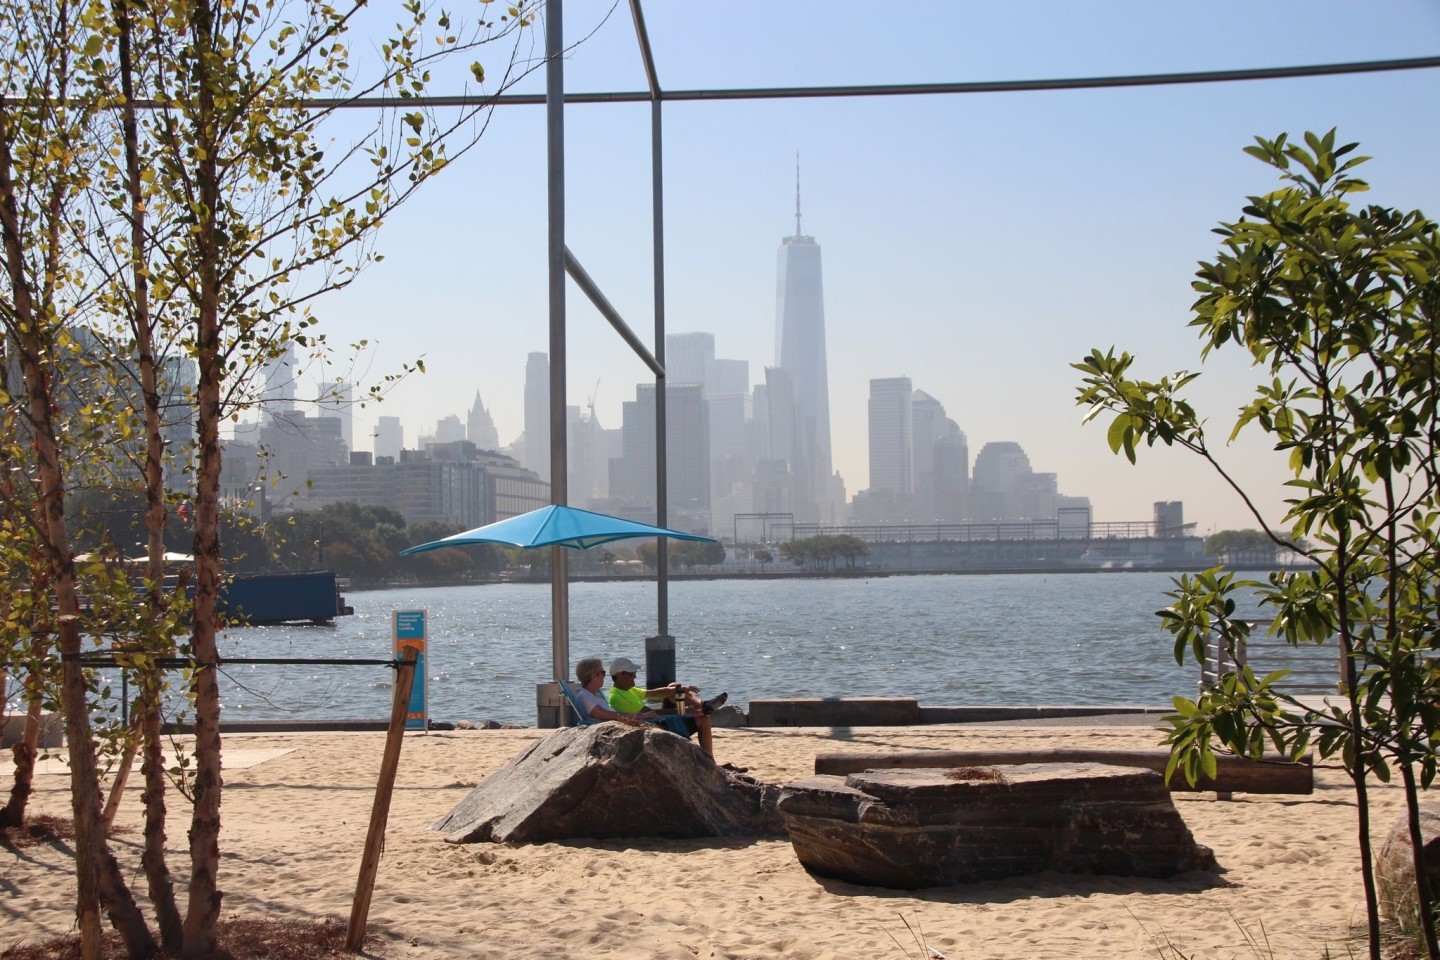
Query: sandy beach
296,808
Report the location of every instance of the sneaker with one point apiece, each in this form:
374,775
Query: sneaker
713,704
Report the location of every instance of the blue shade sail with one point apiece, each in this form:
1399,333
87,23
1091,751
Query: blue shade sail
555,524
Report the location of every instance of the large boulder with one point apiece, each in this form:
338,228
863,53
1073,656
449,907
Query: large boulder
933,827
1395,869
612,780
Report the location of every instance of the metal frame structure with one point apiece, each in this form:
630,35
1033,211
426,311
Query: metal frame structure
660,660
561,262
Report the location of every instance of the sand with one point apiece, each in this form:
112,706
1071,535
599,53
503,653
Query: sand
296,807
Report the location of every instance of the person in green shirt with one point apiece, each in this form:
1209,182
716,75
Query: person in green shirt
625,697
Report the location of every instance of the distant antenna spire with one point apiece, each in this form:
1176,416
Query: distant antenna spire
797,193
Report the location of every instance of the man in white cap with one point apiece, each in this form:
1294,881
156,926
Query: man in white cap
625,697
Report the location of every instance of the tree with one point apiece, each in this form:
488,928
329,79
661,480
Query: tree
207,224
1240,546
1338,305
46,156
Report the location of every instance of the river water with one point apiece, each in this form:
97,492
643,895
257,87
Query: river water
1005,639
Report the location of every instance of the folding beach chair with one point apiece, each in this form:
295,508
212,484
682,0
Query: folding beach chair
580,715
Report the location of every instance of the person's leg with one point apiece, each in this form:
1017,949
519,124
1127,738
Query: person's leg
702,727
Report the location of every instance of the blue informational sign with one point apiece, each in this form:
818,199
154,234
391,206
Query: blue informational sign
407,631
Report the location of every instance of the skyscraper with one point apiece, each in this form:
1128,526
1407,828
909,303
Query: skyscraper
892,450
480,427
537,414
389,438
800,350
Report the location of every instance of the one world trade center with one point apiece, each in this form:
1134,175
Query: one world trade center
800,351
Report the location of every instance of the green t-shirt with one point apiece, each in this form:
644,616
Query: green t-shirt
627,701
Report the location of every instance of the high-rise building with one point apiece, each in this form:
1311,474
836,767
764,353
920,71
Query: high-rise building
687,460
389,438
892,453
537,414
449,429
280,376
687,355
940,457
337,399
800,350
480,427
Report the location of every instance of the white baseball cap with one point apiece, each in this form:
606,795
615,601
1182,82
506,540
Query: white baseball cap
623,665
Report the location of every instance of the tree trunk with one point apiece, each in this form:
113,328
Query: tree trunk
1424,897
203,910
98,879
26,751
160,887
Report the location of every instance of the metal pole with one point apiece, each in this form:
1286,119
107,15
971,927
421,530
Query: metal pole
662,488
555,179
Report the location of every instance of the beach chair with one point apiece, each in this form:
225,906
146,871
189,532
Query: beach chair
673,724
584,719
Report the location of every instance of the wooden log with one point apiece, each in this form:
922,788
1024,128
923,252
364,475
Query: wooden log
380,812
1232,775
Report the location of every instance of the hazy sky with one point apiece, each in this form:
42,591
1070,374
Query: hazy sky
976,243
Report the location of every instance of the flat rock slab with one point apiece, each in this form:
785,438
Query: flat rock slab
610,780
930,827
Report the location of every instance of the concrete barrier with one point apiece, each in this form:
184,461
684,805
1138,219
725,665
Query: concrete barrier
995,714
52,730
835,712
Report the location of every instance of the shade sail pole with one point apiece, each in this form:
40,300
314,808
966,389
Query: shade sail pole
662,485
555,191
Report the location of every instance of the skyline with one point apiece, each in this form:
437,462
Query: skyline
977,244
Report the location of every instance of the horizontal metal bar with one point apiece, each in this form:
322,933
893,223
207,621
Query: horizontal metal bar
863,90
95,660
895,89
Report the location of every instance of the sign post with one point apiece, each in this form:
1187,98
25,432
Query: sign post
408,632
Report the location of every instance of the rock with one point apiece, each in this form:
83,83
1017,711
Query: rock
611,780
914,828
1395,870
729,716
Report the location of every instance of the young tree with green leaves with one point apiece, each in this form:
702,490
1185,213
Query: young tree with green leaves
46,154
169,178
1338,306
273,217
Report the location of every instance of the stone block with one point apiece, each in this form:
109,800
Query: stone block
931,827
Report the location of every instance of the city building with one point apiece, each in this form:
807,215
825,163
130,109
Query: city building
480,426
800,351
892,444
687,357
337,400
453,483
940,462
537,414
389,438
687,441
281,374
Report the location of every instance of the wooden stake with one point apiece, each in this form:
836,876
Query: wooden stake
380,813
